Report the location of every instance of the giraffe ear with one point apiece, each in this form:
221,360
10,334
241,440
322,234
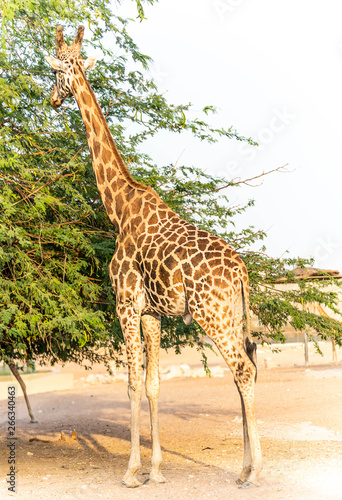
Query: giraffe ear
56,64
89,63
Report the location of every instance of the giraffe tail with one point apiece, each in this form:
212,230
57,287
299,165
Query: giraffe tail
249,345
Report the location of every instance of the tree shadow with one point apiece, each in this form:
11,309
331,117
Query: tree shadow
103,438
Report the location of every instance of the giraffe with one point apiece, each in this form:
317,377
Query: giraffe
162,265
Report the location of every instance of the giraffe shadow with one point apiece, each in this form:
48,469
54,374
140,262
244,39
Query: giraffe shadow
104,439
106,428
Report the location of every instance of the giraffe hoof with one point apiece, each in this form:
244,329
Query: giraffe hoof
246,484
131,482
156,478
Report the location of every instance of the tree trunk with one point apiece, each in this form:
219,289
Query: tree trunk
334,353
306,349
15,372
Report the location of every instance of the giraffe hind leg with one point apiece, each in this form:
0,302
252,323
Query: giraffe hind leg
251,350
244,374
241,358
247,458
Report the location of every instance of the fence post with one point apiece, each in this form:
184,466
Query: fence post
306,349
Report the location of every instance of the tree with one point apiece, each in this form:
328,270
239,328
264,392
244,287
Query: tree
56,301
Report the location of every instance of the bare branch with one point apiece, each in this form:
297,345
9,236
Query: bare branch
112,104
237,181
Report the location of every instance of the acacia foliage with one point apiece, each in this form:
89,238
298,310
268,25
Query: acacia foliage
56,302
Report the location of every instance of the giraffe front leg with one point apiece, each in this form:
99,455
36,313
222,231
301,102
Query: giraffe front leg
130,324
151,331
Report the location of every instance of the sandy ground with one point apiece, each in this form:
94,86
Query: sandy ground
299,411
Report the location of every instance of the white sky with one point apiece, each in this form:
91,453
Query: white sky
274,71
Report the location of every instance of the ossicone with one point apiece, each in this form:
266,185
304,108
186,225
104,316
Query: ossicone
76,44
60,43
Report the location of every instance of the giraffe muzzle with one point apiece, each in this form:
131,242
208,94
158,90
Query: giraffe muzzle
55,100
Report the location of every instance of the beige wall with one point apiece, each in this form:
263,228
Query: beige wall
290,332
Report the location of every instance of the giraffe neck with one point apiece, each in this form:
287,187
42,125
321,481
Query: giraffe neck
114,182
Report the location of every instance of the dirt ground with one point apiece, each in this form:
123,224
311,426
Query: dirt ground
299,412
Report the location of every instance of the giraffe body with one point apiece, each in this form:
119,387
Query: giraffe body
162,265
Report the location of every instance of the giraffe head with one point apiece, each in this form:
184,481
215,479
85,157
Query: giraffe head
64,65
